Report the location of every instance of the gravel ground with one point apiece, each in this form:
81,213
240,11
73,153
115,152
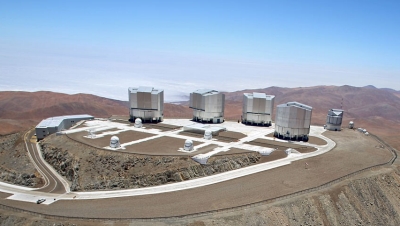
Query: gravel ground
159,146
354,151
15,164
281,145
101,142
226,136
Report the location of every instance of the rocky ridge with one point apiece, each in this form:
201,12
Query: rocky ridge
15,167
95,169
370,200
364,200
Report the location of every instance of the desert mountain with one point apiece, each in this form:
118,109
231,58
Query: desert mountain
377,110
358,103
21,110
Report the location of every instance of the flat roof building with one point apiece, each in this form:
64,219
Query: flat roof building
55,124
257,108
334,119
202,129
292,121
146,103
208,105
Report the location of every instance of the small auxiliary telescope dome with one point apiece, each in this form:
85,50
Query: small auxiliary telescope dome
208,135
188,145
114,142
351,125
138,123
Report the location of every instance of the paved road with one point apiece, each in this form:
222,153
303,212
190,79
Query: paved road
213,179
192,198
56,187
53,182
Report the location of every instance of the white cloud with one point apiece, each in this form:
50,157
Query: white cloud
110,75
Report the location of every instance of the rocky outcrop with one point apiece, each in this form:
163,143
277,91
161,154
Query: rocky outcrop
369,200
24,179
105,171
15,165
169,176
65,164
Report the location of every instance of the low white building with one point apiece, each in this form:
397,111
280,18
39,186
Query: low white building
293,121
257,108
55,124
203,128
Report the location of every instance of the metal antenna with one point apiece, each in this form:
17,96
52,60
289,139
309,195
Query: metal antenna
341,104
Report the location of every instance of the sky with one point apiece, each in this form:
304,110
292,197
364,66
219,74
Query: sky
104,47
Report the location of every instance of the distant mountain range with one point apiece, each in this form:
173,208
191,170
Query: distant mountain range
377,110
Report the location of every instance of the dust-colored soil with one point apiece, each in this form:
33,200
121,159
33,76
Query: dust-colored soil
370,199
205,149
159,146
354,151
281,145
316,140
275,155
161,126
101,142
90,168
225,136
15,164
231,135
189,134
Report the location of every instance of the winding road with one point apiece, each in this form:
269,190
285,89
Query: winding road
227,190
56,188
54,183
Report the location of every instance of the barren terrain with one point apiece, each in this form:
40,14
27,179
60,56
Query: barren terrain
377,110
91,168
370,198
15,165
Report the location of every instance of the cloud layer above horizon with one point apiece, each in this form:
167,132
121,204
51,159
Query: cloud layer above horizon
110,76
103,48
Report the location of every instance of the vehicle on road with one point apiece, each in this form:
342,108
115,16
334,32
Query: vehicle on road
40,201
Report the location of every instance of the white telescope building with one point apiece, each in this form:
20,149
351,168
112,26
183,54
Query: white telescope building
293,121
208,105
257,108
334,119
146,103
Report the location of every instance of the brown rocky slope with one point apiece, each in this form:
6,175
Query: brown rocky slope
377,110
89,168
22,110
15,164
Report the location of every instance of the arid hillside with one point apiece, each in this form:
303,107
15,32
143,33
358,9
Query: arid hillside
357,102
377,110
21,110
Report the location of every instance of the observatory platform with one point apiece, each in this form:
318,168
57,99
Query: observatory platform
227,138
